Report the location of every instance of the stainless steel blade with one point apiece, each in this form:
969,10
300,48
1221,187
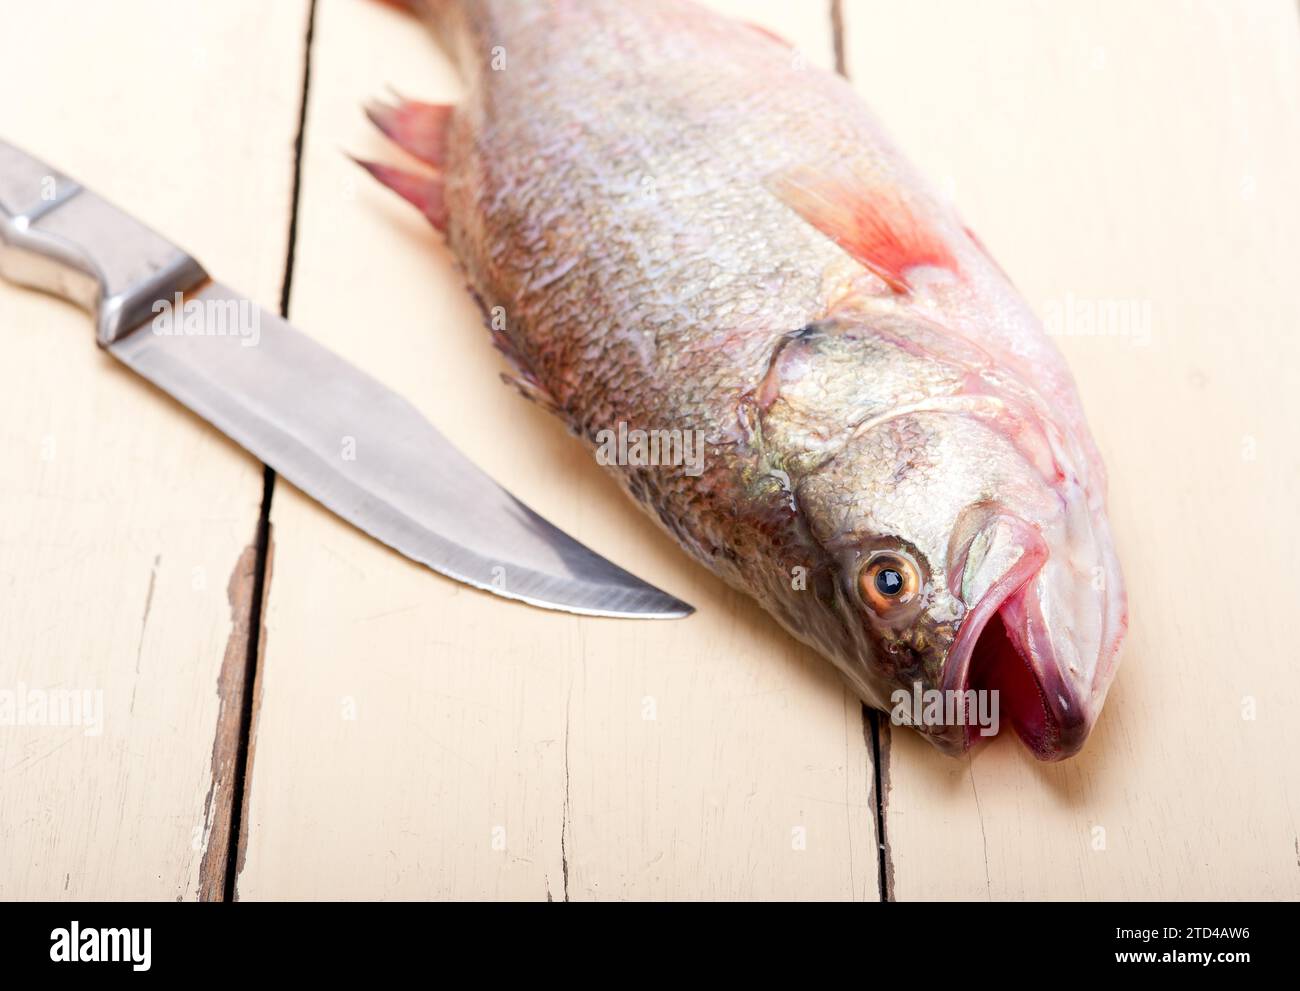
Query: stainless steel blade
331,430
334,432
369,456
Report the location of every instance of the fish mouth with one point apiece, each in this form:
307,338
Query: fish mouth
1004,646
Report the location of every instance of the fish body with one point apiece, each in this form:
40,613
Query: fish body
675,225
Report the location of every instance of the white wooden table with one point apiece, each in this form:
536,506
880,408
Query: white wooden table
1133,166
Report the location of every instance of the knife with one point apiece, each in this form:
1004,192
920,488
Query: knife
356,447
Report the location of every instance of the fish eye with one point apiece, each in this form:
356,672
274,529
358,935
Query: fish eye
888,581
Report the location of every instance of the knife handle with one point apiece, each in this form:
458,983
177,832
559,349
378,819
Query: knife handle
58,237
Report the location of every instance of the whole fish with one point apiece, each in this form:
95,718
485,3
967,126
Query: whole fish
686,241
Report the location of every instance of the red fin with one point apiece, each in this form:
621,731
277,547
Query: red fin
424,192
770,34
419,128
871,223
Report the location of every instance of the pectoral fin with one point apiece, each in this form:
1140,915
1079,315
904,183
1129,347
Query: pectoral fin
872,222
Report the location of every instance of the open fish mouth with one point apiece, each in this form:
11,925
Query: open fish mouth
1004,646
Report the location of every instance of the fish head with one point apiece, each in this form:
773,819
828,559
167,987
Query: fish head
976,581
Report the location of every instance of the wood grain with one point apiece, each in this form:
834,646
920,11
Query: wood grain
1131,165
123,519
1136,159
418,739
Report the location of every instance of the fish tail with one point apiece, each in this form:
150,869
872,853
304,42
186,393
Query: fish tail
424,192
421,128
418,128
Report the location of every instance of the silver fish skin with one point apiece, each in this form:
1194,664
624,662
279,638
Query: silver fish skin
675,225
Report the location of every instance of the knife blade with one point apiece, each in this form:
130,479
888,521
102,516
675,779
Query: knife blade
339,435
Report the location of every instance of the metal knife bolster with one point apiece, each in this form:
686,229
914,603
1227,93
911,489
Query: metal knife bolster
58,237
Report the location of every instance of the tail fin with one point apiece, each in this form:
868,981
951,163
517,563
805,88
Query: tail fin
424,192
418,128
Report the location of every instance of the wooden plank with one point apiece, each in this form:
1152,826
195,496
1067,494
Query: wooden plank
124,521
1117,153
418,739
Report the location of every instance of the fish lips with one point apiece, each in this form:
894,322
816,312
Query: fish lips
1004,645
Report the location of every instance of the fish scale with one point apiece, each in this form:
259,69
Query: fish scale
688,228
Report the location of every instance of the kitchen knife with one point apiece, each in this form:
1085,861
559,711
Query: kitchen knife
339,435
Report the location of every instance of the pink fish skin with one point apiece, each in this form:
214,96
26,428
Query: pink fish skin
677,226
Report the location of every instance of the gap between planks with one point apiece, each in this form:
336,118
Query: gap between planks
223,857
874,729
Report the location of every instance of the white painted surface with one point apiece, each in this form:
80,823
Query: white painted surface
122,517
416,739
